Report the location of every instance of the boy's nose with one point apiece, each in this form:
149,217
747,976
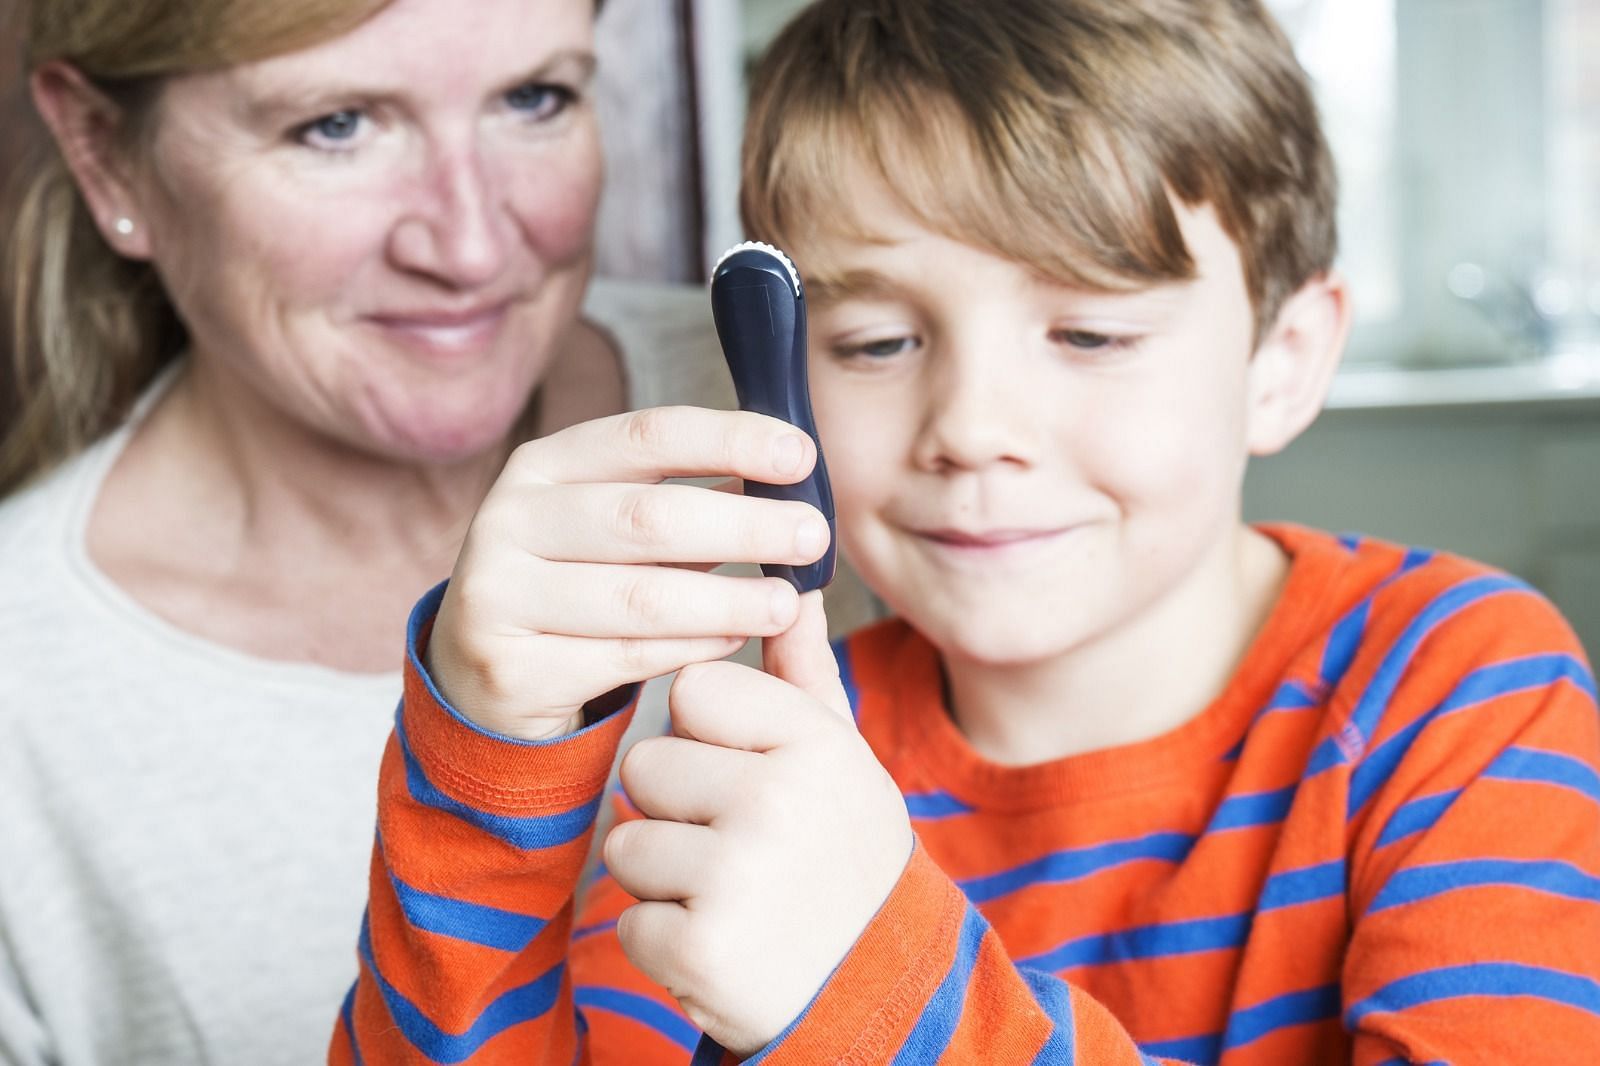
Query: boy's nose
972,418
456,229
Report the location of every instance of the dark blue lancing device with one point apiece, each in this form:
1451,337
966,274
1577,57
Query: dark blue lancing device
760,311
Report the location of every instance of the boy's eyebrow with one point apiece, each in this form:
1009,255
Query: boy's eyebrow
852,284
1158,297
865,284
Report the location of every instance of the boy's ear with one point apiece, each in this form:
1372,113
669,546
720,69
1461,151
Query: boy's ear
1293,367
87,127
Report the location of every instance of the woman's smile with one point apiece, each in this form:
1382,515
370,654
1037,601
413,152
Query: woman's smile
444,334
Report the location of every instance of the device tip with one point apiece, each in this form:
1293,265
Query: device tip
760,246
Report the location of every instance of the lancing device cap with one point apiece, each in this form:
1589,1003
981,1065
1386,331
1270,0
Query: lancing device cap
760,310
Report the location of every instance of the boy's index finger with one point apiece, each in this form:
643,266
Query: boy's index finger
802,656
731,705
665,442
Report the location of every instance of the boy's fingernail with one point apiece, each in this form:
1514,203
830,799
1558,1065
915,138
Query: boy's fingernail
811,538
783,605
789,455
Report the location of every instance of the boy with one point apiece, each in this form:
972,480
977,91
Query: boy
1181,789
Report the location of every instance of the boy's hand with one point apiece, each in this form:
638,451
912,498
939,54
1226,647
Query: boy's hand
772,836
581,572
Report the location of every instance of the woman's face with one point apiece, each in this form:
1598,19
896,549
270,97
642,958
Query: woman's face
384,237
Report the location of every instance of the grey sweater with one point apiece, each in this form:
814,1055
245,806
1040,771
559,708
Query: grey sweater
184,829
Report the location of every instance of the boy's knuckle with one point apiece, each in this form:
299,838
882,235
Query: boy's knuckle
769,802
643,601
633,655
526,462
648,431
474,591
470,662
644,517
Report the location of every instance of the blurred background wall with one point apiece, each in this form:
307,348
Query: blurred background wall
16,131
1468,139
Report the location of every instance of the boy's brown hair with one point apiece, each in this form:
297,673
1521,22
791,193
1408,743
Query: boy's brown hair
1050,132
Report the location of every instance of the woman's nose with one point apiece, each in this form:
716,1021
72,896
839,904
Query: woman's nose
456,230
974,416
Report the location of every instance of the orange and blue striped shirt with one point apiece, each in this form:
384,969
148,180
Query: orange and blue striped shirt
1381,844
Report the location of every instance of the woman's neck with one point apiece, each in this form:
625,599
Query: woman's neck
244,530
277,491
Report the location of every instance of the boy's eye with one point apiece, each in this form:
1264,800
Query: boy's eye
878,349
1085,340
540,101
332,130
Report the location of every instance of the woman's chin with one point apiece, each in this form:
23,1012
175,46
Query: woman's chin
434,435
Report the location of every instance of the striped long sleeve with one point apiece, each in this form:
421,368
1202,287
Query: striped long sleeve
1430,894
1380,845
480,843
929,981
1472,804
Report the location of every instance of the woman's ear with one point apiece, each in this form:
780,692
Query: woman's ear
1293,367
87,127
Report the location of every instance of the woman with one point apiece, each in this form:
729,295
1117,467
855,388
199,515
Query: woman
330,254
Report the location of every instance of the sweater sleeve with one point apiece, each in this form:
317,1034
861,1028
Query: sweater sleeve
480,843
1473,880
468,951
929,981
23,1038
630,1018
1474,808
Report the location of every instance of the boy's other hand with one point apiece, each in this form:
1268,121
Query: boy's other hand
772,836
581,572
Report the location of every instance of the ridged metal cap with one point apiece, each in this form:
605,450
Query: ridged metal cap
761,246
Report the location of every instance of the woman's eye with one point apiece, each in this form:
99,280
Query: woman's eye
338,128
540,101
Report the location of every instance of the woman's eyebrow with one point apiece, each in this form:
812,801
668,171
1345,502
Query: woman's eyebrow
268,107
579,64
574,64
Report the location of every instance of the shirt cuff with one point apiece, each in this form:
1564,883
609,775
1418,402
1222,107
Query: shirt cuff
873,998
490,768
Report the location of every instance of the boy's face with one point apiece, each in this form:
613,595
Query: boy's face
1021,469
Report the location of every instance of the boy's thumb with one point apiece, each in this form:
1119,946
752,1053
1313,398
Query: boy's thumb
801,656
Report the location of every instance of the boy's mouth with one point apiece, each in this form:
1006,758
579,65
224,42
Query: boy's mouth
989,538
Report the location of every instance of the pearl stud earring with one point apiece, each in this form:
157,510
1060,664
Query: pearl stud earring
123,226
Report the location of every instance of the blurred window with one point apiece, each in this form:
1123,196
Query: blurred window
1467,134
1468,139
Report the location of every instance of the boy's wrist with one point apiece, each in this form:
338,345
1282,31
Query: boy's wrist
888,976
569,765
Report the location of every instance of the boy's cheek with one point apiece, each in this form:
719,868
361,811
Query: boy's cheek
857,442
1164,459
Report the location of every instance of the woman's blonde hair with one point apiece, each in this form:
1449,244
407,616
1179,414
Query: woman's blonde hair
1049,131
89,329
